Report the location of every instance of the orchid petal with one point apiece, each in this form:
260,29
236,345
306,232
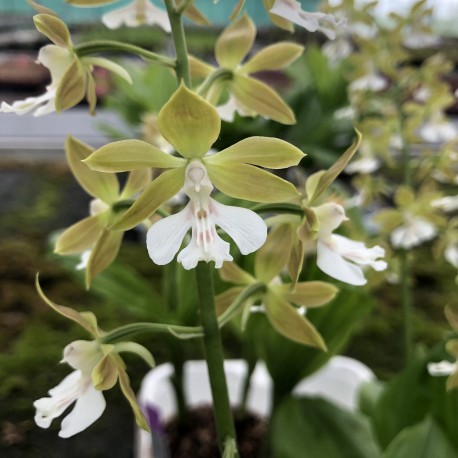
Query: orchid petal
441,368
164,238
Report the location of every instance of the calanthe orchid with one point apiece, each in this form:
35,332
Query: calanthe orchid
339,256
414,231
71,76
91,237
203,214
138,12
98,366
291,10
232,87
192,125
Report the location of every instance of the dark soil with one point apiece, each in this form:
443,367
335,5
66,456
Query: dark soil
197,437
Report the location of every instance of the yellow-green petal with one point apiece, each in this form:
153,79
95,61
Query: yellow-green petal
296,259
237,9
139,350
273,256
195,15
53,28
105,374
72,88
273,57
260,98
189,123
41,9
155,194
69,313
272,153
244,181
309,293
198,68
235,42
110,66
103,254
451,313
232,273
126,155
136,181
290,323
80,236
104,186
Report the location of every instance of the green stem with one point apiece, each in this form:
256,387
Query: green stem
179,40
214,354
95,47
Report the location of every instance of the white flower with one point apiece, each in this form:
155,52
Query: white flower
371,82
341,257
447,203
57,60
84,260
83,356
202,215
137,13
291,10
438,131
442,368
363,165
415,231
227,111
451,254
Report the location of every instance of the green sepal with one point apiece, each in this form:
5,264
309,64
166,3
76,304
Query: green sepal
271,153
189,123
136,181
110,66
72,87
290,323
244,181
237,10
89,3
224,300
198,68
309,293
273,57
452,381
296,259
79,236
127,155
235,42
451,313
89,325
260,98
139,350
273,256
105,374
41,9
195,15
103,254
232,273
101,185
53,28
91,94
452,347
163,188
404,196
328,177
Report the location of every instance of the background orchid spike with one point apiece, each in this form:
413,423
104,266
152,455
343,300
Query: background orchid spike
98,367
137,12
291,11
92,233
278,298
247,95
191,125
71,76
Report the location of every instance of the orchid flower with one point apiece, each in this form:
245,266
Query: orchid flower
91,236
233,88
98,366
341,257
137,13
414,231
291,10
191,125
202,214
71,76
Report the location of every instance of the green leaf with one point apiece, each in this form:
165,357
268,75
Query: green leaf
72,87
271,153
273,57
328,177
315,428
104,186
244,181
189,123
287,320
53,28
260,98
163,188
424,440
235,42
126,155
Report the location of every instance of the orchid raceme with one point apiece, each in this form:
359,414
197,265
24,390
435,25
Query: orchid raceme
91,235
191,126
279,299
98,366
71,76
246,95
138,12
291,11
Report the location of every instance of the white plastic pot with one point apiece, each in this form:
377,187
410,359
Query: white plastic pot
337,381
